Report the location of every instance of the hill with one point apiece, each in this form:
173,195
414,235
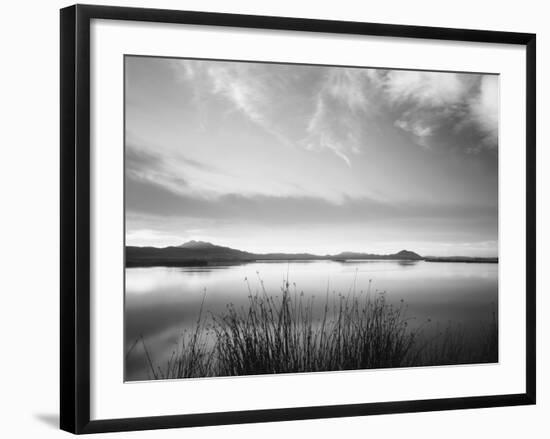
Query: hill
188,254
198,253
402,255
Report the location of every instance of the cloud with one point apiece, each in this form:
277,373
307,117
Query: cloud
342,106
245,90
443,108
484,109
252,89
325,131
348,86
416,127
146,197
169,170
432,89
142,164
333,109
321,110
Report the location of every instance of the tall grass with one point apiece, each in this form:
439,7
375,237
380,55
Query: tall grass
278,334
286,333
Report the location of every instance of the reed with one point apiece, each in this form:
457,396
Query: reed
289,333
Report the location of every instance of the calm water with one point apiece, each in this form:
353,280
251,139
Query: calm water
161,302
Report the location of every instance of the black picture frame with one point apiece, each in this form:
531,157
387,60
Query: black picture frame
75,217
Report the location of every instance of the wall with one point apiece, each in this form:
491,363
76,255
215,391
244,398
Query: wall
29,194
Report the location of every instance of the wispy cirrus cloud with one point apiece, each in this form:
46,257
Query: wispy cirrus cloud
433,89
328,101
251,89
331,109
432,103
344,103
143,164
325,131
173,171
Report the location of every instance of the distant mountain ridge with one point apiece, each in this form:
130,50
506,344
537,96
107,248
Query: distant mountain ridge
202,253
402,255
199,245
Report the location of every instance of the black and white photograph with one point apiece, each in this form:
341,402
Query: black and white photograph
275,219
287,218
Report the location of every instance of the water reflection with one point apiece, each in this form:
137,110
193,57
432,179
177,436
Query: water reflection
162,302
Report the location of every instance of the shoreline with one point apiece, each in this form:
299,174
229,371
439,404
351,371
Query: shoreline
213,263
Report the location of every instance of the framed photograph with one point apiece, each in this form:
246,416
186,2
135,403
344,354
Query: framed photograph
268,218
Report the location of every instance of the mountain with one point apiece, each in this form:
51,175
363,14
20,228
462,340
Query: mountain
189,253
199,253
407,254
403,254
198,245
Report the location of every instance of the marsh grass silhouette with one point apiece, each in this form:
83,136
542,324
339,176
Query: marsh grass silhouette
280,334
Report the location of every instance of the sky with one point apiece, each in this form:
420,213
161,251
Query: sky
271,157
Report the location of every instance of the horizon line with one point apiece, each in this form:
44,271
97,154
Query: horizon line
311,253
